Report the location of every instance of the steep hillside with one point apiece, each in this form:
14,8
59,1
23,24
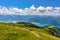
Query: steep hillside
20,31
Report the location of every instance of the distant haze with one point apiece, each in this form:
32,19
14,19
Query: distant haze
52,20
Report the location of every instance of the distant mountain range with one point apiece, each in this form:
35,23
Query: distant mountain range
51,20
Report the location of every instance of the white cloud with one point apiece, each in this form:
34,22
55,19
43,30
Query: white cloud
30,11
40,8
32,7
48,8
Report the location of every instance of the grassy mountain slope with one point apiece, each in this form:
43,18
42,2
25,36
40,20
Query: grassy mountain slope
9,31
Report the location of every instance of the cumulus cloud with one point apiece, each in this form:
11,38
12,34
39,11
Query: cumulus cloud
30,11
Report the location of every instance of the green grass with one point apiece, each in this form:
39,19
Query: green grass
10,32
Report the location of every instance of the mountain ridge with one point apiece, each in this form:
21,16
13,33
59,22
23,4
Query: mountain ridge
53,20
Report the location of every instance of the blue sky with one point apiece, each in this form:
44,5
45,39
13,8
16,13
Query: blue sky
28,3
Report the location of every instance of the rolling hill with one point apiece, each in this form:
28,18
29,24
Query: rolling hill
28,31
